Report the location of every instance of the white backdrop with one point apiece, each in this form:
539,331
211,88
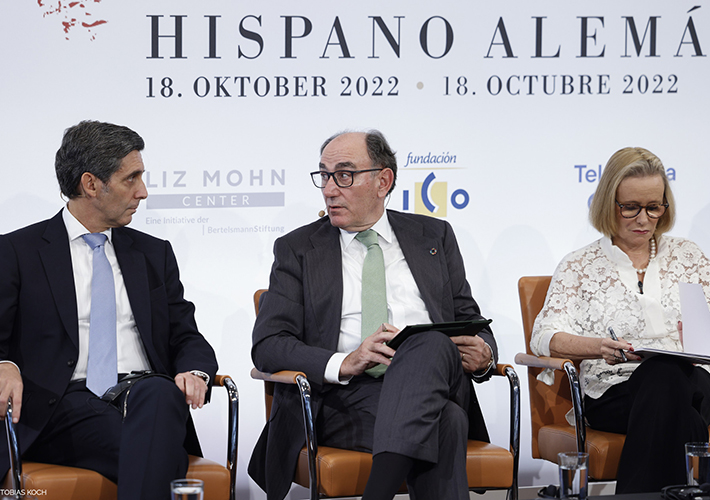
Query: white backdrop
502,114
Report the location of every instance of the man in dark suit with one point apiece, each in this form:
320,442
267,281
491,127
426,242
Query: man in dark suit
416,418
49,326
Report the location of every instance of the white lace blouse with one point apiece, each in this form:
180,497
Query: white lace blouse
597,287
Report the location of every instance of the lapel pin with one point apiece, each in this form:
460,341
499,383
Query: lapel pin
432,251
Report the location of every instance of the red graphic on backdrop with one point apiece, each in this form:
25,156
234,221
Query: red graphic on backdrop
73,15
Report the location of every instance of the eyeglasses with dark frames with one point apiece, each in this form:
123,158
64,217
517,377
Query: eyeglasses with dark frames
342,178
631,210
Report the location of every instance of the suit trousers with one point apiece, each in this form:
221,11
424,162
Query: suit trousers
416,409
142,452
664,404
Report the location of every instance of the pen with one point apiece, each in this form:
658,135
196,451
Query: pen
614,337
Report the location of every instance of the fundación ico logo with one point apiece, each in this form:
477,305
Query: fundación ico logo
432,198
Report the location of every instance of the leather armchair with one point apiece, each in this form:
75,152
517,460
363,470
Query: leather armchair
333,472
551,433
58,482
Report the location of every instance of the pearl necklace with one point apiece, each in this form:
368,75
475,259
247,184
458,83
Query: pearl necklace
652,254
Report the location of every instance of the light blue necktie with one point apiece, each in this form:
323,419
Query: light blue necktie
374,291
102,370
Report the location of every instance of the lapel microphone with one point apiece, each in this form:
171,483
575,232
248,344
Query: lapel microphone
321,213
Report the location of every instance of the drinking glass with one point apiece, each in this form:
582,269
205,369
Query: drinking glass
186,489
573,475
697,463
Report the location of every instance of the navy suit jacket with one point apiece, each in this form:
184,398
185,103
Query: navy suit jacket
39,324
299,324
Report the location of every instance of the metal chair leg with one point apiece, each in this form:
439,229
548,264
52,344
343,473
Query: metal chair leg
514,382
578,406
311,444
14,451
233,431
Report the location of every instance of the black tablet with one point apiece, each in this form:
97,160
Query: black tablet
452,329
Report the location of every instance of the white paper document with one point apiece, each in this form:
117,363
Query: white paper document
696,326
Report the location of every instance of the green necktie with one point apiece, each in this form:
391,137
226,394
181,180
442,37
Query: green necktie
374,293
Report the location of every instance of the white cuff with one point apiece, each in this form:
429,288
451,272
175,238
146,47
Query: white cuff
332,369
8,361
544,343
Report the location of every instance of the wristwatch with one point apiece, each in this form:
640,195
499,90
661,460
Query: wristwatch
202,375
491,364
484,371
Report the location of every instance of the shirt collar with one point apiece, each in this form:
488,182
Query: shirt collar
382,227
76,229
618,256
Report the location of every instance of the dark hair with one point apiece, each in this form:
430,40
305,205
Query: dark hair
94,147
378,149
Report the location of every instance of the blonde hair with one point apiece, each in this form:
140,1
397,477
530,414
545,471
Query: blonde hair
628,162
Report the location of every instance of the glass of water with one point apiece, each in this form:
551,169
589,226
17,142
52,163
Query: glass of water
186,489
697,463
573,475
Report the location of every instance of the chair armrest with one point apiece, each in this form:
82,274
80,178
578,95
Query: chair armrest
221,380
501,369
532,361
301,381
282,377
232,429
568,367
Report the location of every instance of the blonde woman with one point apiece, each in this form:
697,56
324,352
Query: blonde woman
627,281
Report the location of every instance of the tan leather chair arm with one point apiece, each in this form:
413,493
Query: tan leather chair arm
541,361
568,367
220,380
500,369
283,377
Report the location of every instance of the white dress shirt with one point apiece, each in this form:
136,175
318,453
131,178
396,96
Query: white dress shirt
131,353
405,305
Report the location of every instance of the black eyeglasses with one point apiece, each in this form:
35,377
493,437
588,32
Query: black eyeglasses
631,210
342,178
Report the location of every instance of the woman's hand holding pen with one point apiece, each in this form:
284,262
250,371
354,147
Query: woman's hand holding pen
612,349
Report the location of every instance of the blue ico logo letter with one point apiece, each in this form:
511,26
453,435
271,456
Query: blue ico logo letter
430,197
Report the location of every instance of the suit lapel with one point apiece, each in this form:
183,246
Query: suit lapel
56,259
325,283
135,278
424,257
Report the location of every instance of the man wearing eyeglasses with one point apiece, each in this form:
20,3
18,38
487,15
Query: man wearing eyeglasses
317,317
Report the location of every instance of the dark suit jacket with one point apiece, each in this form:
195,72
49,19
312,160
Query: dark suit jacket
39,326
299,323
